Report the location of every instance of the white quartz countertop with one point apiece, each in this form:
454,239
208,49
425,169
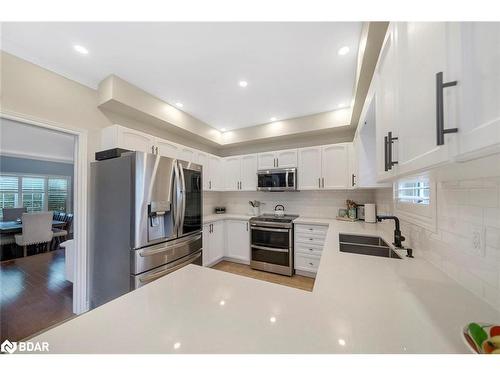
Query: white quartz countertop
216,217
360,304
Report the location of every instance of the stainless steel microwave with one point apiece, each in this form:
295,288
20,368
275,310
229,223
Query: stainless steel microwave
281,179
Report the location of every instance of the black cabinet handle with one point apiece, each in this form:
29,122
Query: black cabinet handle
440,130
390,141
386,163
352,179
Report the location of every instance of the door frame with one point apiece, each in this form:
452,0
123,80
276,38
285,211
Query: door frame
80,207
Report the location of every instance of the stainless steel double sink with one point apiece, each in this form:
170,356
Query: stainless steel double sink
366,245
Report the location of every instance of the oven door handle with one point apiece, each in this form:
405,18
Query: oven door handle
270,249
269,229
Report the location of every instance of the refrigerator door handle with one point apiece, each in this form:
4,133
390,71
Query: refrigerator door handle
182,206
177,199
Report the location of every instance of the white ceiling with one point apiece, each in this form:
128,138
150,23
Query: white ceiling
292,69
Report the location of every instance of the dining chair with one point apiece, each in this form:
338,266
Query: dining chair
61,234
12,214
37,229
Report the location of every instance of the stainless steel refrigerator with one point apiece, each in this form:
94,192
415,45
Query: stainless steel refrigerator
146,221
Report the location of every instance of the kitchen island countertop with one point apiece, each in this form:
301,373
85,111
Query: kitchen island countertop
359,304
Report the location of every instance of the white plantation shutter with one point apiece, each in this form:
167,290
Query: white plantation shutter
57,194
36,193
416,191
9,192
33,193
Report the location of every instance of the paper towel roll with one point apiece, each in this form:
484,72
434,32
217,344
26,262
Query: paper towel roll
370,213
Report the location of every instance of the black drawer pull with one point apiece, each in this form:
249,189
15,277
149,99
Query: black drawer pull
440,130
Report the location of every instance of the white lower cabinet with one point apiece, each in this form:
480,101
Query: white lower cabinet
226,238
213,242
308,247
238,240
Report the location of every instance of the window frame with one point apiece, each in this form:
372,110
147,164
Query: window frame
20,195
424,215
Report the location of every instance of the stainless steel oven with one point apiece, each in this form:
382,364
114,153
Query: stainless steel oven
271,240
280,179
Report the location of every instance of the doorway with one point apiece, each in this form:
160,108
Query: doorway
42,173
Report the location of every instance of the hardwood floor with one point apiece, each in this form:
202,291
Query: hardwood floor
34,294
296,281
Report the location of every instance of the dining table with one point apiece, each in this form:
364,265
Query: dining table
13,227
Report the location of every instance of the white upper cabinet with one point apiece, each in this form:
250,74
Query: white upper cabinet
423,52
232,173
248,173
309,168
387,110
129,139
323,167
238,240
187,154
479,85
286,158
362,162
216,173
438,92
335,166
278,159
267,160
240,173
168,149
202,159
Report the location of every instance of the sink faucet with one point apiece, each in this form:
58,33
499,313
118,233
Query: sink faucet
398,237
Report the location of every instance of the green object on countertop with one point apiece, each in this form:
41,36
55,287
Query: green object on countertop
478,334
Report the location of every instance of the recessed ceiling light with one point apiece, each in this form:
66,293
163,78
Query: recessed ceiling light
222,302
177,345
243,83
344,51
223,129
272,319
342,342
81,49
180,105
273,119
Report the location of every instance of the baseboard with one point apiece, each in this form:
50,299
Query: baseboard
236,260
305,273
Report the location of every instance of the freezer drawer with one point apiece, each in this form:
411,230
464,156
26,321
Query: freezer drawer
140,280
151,257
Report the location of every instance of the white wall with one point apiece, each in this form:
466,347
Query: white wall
464,205
322,204
26,141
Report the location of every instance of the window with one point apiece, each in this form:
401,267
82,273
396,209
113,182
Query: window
9,192
36,193
33,191
416,191
57,194
415,201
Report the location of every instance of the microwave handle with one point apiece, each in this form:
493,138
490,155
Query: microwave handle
286,179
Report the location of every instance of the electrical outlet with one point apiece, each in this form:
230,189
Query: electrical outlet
478,241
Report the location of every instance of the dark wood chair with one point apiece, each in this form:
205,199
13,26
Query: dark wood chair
61,234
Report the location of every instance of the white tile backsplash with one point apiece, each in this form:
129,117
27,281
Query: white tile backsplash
321,204
463,207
